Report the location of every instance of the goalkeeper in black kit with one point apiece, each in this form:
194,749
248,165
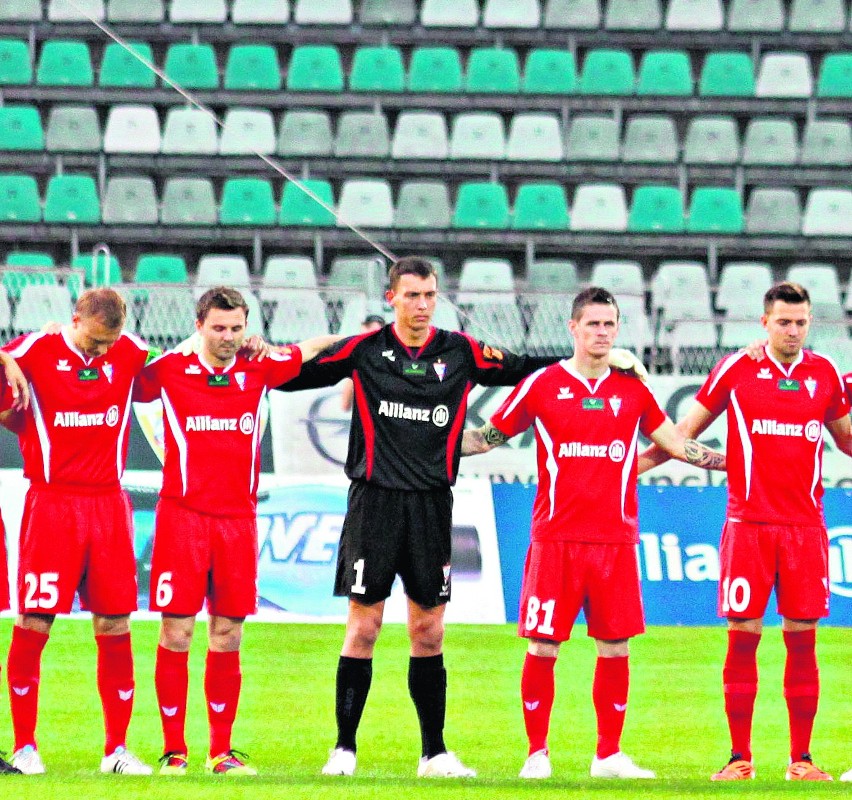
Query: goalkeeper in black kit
411,384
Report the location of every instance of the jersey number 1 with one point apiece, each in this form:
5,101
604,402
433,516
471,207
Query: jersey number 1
358,587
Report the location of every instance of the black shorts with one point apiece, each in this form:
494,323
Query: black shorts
390,532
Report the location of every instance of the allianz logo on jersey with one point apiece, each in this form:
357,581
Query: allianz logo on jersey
665,558
74,419
438,416
204,423
614,451
772,427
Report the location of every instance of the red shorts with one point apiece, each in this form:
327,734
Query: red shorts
74,542
755,558
4,570
560,578
198,556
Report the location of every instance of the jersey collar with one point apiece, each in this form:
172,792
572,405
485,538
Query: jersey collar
414,356
69,342
786,369
584,380
212,369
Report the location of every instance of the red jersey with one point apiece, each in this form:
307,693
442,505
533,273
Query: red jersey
775,433
587,432
847,379
212,426
76,429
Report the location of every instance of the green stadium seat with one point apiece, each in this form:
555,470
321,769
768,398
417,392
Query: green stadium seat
14,280
15,65
607,72
94,268
190,131
377,69
756,16
727,74
774,210
550,72
715,210
65,63
134,11
259,12
650,139
770,140
423,204
188,201
593,138
247,201
154,268
541,206
572,14
297,208
20,128
253,66
633,15
192,66
19,201
362,134
388,12
827,142
656,209
553,275
20,258
315,68
121,68
435,69
72,199
835,76
482,205
20,10
305,133
665,72
493,70
130,200
711,140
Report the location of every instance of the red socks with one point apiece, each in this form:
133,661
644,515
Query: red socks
609,695
537,692
222,682
801,689
171,678
116,687
739,677
23,671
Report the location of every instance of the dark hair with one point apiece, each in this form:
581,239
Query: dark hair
410,265
370,319
222,297
106,304
786,292
594,295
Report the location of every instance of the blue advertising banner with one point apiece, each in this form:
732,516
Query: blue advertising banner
678,551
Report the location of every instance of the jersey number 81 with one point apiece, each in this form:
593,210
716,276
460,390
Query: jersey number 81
534,606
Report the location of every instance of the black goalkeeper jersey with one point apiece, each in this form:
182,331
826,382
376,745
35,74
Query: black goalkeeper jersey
410,405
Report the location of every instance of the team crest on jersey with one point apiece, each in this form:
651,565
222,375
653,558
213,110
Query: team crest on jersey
810,385
565,393
108,371
615,405
765,374
440,369
192,369
63,366
240,378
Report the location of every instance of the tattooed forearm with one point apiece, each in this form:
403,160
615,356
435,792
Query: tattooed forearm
481,440
701,456
492,436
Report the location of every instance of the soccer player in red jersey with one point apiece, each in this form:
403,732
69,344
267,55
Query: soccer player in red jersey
76,529
774,534
205,539
585,528
14,396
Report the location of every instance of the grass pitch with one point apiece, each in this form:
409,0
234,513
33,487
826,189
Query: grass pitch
675,723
